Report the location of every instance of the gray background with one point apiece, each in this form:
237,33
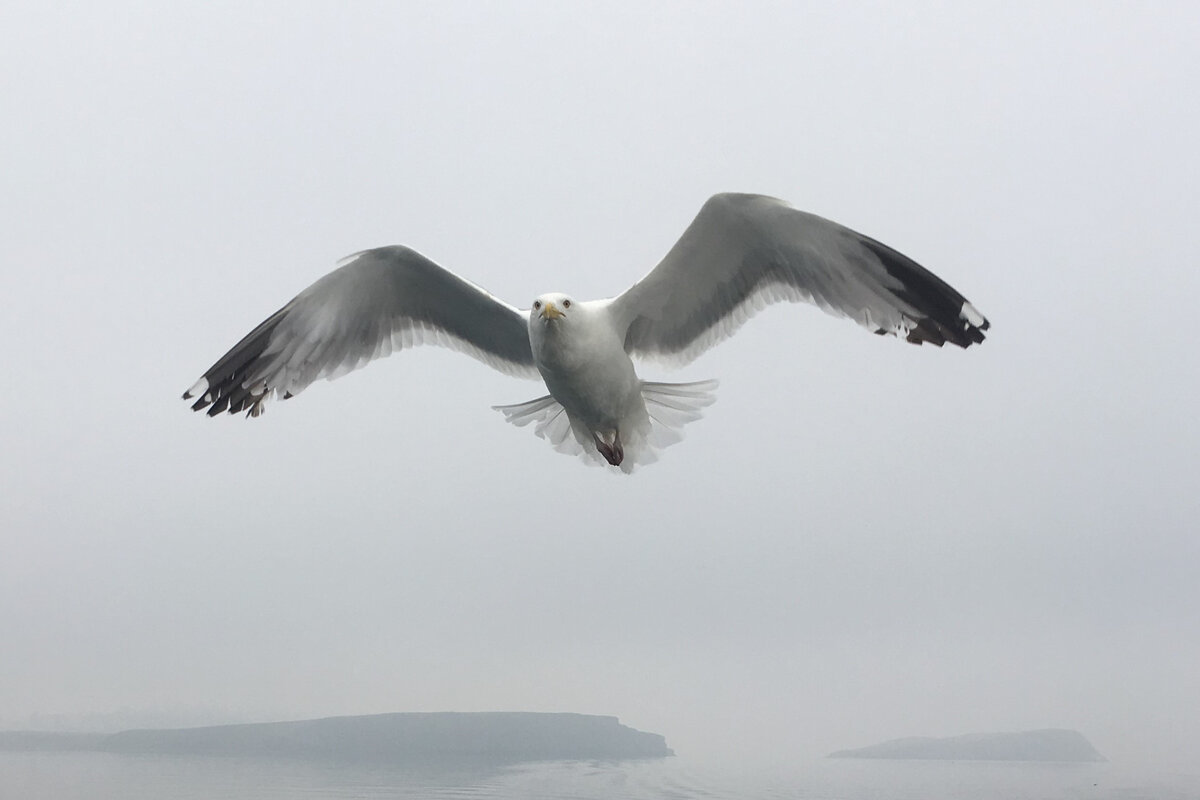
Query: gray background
861,540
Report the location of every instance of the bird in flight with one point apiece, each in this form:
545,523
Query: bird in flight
741,253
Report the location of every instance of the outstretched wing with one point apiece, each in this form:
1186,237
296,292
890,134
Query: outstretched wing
378,301
743,252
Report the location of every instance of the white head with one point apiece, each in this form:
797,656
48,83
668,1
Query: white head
552,307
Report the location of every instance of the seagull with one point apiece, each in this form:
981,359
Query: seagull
741,253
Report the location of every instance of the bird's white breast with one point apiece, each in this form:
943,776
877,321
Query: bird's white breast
582,359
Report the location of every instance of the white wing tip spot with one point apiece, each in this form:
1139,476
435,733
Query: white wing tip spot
971,315
197,388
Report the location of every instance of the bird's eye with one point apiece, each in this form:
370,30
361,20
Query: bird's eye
566,303
537,304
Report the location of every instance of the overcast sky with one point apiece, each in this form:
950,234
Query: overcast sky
861,540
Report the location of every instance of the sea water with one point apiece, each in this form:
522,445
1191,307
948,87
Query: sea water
102,776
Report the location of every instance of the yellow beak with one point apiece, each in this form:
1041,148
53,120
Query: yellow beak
550,311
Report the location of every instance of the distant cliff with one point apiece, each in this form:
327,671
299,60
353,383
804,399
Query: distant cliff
1042,745
497,736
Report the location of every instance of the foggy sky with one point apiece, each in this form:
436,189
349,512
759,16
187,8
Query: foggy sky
861,540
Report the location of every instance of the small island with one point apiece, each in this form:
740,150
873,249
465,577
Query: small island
1052,744
483,736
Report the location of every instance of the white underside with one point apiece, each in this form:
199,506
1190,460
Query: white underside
666,408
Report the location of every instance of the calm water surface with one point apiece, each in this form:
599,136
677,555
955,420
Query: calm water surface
99,776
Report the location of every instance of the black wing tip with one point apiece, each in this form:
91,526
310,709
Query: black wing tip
223,386
928,330
201,391
215,396
253,404
948,316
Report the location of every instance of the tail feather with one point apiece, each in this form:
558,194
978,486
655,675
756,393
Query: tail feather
700,391
552,422
668,407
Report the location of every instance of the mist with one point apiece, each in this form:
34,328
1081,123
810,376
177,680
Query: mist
861,540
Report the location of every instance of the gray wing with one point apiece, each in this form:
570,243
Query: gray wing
743,252
379,301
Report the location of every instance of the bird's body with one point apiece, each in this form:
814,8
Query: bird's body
582,360
741,252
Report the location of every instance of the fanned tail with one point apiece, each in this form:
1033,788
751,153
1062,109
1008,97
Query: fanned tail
673,405
659,424
550,422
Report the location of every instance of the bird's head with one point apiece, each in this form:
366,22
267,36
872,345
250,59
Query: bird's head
551,307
